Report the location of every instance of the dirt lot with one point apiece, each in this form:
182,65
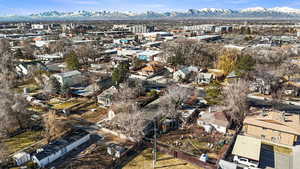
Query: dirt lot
95,116
145,161
94,157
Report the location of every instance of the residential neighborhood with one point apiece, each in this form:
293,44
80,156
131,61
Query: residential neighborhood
176,94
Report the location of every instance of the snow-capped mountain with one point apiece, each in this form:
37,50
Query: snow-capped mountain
256,12
284,10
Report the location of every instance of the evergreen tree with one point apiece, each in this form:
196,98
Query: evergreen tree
120,73
19,54
72,61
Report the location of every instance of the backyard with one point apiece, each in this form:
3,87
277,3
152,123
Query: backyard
164,161
196,141
23,140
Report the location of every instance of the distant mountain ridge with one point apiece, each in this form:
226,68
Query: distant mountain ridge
256,12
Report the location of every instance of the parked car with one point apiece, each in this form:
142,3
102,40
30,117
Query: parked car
245,162
203,158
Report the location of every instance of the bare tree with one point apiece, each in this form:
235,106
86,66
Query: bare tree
4,46
28,50
173,99
127,93
235,101
189,52
58,47
52,86
3,153
54,127
86,52
131,121
7,71
13,112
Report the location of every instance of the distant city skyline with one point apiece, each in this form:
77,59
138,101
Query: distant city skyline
24,7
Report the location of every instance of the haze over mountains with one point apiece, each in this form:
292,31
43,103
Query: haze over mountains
257,12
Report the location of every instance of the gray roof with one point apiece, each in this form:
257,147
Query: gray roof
69,74
64,141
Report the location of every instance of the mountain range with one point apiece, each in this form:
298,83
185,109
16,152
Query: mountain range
257,12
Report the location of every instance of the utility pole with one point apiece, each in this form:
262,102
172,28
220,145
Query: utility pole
154,148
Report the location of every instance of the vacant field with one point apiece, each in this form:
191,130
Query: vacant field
164,161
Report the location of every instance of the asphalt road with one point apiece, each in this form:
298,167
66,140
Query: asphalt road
262,103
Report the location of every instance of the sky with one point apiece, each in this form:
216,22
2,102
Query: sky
24,7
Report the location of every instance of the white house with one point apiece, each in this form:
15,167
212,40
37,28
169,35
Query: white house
24,67
69,78
215,120
181,74
115,150
59,148
37,26
21,158
184,73
105,98
204,78
46,57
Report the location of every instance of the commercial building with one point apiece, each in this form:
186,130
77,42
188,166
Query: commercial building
277,127
141,29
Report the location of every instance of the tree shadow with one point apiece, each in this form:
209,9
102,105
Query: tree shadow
168,158
172,165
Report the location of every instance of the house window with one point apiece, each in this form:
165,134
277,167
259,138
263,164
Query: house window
263,136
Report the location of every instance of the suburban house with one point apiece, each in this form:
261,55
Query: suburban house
214,120
60,147
21,158
184,74
276,127
204,78
148,55
261,86
188,114
50,57
115,150
69,78
105,98
151,69
24,67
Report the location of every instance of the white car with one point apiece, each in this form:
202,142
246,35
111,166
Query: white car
245,162
203,158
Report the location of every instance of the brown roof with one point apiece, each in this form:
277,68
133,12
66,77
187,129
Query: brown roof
152,68
289,123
